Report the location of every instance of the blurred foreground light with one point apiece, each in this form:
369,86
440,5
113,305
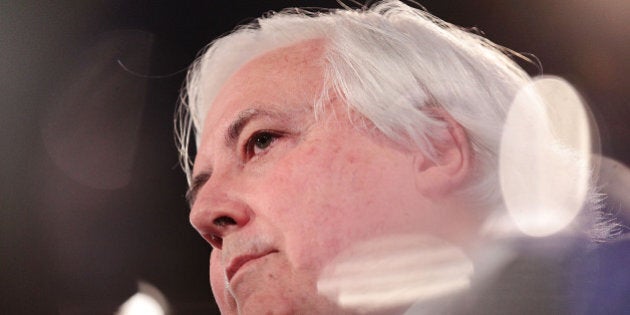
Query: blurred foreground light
148,301
92,121
394,272
544,162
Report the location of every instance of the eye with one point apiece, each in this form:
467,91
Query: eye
259,142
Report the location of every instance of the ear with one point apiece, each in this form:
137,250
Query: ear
452,166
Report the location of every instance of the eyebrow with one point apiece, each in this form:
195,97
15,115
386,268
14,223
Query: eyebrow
237,126
232,134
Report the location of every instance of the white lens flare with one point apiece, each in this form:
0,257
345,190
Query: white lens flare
544,161
148,301
396,271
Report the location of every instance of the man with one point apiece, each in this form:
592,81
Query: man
328,140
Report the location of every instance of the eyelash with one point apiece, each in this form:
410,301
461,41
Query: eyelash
254,140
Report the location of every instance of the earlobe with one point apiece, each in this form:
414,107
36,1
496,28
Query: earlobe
452,165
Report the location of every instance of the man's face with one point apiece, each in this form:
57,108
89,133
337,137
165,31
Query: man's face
280,193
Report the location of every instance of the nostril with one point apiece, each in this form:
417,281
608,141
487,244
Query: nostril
224,221
216,241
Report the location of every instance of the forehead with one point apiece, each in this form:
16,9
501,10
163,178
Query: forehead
278,77
305,54
283,79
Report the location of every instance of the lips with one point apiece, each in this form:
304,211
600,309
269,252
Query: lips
238,262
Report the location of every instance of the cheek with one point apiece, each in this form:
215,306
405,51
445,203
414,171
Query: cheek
320,195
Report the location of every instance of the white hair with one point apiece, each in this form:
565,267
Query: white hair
392,64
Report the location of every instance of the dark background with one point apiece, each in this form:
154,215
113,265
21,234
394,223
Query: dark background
91,196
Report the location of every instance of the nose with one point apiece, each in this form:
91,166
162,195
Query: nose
218,211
